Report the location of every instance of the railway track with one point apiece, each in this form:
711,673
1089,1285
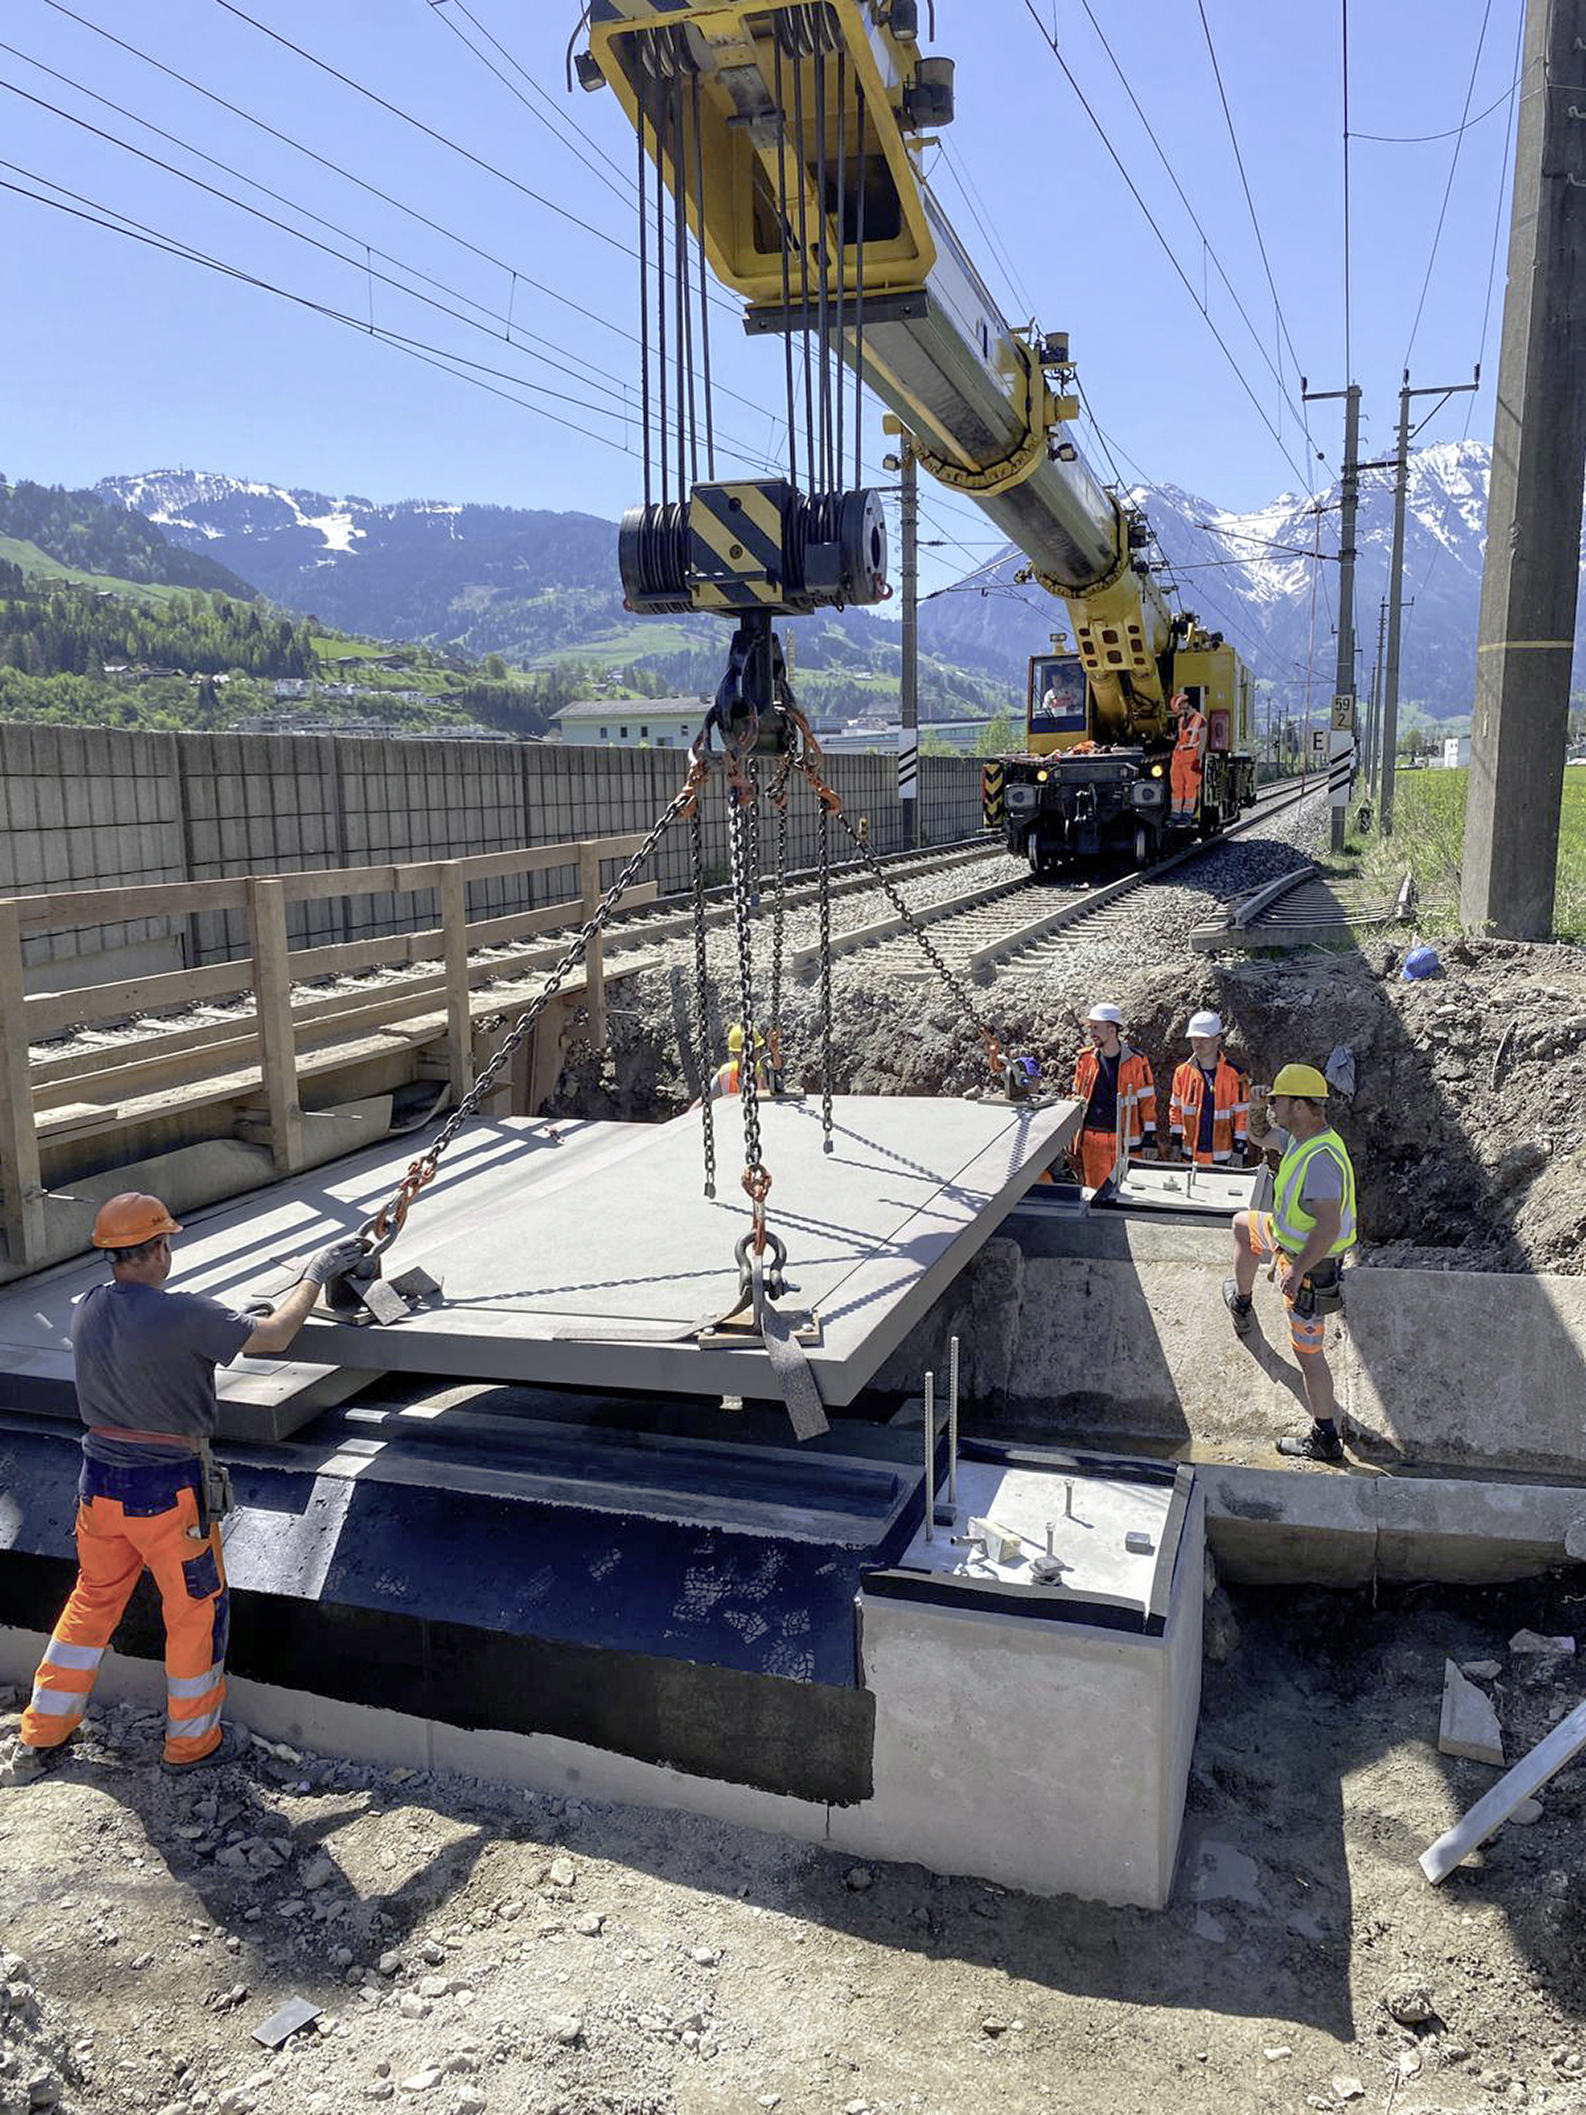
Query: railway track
1019,926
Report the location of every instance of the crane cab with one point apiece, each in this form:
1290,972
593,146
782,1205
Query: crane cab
1085,793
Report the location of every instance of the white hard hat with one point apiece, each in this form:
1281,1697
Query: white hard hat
1106,1011
1205,1024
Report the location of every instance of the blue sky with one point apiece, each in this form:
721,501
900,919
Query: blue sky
119,358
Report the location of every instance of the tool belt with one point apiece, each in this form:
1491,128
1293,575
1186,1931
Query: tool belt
1326,1280
213,1489
215,1497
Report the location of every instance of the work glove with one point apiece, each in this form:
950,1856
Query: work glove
1305,1299
335,1260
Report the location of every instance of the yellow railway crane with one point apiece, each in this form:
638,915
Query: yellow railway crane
790,139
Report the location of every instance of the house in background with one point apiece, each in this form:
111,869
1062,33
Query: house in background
632,723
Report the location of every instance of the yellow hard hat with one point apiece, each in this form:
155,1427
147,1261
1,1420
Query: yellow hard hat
1303,1080
735,1038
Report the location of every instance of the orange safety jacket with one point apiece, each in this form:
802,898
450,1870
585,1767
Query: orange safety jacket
1191,733
1136,1092
1230,1110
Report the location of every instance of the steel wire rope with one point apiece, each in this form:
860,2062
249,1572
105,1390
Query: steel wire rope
804,249
704,301
1427,139
644,298
859,279
822,258
842,253
786,233
1210,249
362,183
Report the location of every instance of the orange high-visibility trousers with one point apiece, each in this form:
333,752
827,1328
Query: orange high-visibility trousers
1097,1154
153,1523
1186,780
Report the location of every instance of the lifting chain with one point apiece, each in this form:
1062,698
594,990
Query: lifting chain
823,839
778,796
707,1117
742,835
382,1229
808,762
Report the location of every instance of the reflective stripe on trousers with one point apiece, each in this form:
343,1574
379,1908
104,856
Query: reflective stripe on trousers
117,1538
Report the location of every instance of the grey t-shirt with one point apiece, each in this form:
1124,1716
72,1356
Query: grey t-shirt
146,1362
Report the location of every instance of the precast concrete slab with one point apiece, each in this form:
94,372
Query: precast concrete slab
236,1250
600,1267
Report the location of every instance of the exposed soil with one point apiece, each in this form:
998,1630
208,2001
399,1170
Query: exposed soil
477,1951
1468,1124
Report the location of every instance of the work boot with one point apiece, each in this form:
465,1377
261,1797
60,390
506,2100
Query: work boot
1321,1443
23,1764
233,1746
1240,1305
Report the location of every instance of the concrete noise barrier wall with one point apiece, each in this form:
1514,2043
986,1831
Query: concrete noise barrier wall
103,807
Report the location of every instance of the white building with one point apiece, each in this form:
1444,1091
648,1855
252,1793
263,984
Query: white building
632,723
1456,751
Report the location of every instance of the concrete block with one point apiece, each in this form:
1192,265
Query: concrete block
1274,1527
1469,1725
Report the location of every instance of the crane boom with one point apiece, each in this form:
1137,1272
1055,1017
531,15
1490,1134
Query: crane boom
786,95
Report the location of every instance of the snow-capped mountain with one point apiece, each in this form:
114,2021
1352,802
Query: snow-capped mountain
422,569
520,581
1251,576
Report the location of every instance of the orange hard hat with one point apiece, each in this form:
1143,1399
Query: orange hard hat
131,1219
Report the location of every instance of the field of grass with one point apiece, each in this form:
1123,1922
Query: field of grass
1429,839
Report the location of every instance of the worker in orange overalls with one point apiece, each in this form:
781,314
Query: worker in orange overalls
1209,1114
145,1364
1114,1083
1189,758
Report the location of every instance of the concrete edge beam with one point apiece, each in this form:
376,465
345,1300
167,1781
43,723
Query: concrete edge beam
1281,1527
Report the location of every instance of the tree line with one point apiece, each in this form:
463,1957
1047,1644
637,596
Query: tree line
53,628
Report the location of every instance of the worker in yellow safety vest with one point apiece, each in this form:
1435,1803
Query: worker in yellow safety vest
728,1078
1209,1114
1310,1227
1189,753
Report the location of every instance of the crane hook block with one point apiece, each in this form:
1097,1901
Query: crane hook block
755,544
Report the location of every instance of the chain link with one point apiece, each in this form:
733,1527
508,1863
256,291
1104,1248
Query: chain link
707,1117
778,921
824,850
756,1177
387,1223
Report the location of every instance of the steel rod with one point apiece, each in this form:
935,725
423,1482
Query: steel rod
930,1457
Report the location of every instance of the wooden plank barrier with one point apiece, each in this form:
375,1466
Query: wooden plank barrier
266,1035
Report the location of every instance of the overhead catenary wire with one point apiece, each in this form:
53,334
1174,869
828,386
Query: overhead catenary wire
363,264
514,273
117,223
1453,165
1302,473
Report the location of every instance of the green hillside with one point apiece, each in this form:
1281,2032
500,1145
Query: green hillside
86,648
